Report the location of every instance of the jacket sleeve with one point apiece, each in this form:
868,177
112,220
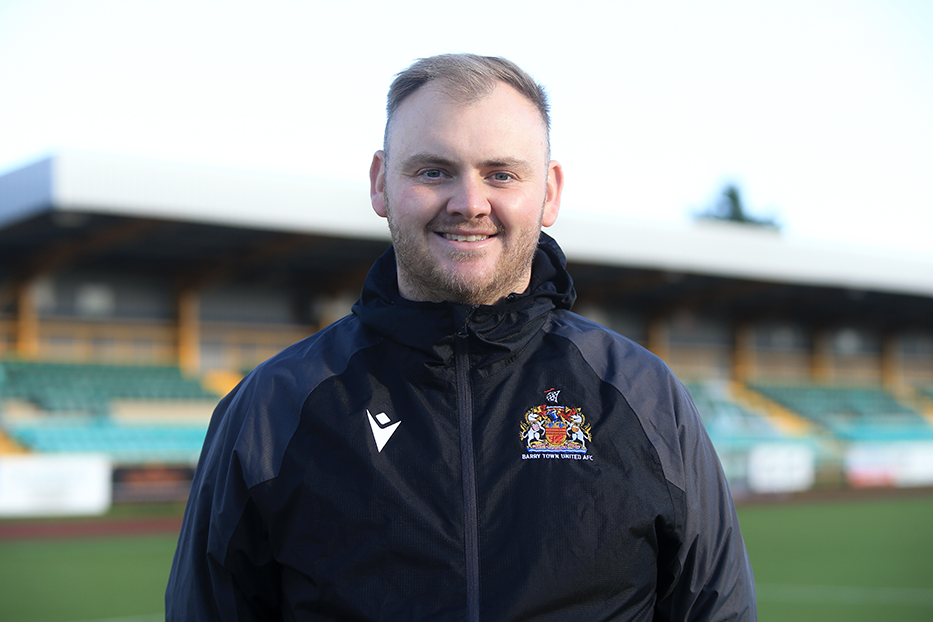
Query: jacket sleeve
223,567
708,577
703,571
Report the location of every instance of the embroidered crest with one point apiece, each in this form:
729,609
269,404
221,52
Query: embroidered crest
555,429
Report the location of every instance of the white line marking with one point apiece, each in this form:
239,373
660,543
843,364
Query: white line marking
152,617
845,594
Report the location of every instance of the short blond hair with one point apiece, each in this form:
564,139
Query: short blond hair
466,78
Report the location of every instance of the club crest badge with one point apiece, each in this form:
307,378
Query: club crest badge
554,429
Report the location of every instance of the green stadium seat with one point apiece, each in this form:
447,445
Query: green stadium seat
90,388
851,413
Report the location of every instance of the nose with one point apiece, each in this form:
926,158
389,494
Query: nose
469,199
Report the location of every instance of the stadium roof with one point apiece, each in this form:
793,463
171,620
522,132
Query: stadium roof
67,189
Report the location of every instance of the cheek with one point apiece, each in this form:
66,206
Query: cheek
422,198
522,214
412,202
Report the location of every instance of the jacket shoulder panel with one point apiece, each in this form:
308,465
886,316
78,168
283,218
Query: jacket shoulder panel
659,400
264,411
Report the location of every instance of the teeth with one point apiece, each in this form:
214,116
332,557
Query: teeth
465,238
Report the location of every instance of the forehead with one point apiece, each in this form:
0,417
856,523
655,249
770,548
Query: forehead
433,113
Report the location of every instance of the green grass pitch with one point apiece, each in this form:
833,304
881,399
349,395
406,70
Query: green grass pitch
91,578
842,560
829,561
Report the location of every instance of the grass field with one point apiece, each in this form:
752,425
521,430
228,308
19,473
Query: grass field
852,560
842,560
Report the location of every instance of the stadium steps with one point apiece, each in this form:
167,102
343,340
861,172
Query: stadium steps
92,388
161,411
125,444
9,446
136,414
921,399
733,428
221,382
782,418
851,413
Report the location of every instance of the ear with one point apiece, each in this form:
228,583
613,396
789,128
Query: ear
377,183
555,185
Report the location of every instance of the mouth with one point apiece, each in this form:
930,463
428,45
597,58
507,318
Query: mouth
464,238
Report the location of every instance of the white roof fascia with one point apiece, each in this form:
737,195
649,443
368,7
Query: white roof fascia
739,251
132,187
81,182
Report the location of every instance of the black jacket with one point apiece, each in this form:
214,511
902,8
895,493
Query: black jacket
423,461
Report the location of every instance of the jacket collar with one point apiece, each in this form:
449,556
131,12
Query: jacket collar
498,329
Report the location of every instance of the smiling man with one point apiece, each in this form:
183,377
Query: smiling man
462,446
466,192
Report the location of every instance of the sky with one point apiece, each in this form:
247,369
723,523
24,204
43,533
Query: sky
820,111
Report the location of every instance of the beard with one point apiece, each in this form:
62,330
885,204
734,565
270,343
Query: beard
428,280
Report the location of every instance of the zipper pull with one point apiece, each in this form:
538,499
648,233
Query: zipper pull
462,331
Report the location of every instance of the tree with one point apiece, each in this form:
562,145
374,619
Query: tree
730,207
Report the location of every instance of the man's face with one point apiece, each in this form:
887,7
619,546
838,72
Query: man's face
466,188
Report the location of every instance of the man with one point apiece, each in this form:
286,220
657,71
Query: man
461,447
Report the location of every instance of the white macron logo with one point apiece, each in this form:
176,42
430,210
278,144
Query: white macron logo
382,429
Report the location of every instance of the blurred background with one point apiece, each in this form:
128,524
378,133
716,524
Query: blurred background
184,192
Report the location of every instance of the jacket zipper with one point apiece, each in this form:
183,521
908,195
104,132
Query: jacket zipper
465,416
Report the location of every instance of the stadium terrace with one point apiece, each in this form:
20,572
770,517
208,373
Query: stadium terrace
811,365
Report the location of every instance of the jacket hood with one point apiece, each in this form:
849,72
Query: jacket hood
429,327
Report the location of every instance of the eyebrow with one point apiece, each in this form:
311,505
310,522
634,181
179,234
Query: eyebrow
427,159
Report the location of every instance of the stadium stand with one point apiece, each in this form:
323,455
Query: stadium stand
124,444
743,437
68,407
725,420
127,273
926,391
851,413
90,388
8,445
